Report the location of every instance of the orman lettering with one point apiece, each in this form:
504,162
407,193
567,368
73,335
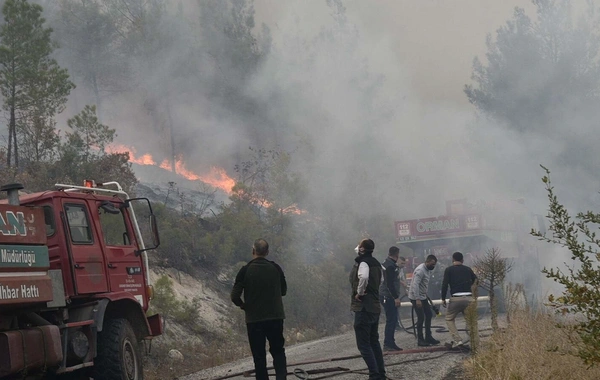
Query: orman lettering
438,225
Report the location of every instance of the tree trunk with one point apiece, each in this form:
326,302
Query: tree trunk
10,133
494,309
171,135
12,139
98,100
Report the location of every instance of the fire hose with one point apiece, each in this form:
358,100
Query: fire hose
304,375
300,372
413,329
335,371
363,370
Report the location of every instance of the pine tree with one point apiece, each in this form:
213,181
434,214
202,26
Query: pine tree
32,84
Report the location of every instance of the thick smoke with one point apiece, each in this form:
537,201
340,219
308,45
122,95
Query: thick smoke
367,95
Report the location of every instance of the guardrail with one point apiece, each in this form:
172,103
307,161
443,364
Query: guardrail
439,302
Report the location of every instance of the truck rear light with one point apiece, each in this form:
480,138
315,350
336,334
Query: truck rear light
150,292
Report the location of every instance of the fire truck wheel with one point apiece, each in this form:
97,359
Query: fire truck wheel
118,352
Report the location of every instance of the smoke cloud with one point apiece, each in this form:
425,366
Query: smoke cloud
368,97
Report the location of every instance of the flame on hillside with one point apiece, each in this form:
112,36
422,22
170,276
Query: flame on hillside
216,177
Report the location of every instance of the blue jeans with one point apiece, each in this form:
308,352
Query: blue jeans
367,341
391,320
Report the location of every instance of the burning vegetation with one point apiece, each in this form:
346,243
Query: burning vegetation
216,177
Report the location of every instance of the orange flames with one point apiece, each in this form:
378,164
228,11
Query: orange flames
216,177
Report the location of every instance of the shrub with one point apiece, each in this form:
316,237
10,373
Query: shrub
531,347
581,281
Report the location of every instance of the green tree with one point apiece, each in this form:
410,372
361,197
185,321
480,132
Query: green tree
163,72
581,295
92,47
34,87
539,70
231,52
88,133
82,155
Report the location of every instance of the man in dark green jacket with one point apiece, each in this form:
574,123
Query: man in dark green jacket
263,284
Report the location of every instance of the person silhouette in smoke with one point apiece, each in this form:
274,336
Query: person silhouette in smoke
263,284
365,278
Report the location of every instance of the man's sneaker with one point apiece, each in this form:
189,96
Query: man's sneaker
391,348
423,343
457,344
431,340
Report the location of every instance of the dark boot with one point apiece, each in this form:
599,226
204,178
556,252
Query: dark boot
431,340
420,341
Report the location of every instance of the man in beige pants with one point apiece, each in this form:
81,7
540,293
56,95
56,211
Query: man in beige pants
460,278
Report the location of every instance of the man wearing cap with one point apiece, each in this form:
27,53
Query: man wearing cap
460,278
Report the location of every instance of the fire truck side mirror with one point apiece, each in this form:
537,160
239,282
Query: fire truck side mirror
155,235
141,207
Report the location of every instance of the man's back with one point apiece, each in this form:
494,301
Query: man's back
263,285
460,278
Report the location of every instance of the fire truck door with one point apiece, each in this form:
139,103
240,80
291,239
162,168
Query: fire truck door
87,260
124,267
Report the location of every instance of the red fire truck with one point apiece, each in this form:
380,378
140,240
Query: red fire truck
472,229
74,285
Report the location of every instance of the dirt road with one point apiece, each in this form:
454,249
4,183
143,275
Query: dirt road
435,365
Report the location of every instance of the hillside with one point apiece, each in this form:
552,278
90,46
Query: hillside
199,322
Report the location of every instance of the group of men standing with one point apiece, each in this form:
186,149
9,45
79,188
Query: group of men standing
371,281
263,283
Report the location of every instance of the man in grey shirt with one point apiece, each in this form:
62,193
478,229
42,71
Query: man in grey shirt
417,293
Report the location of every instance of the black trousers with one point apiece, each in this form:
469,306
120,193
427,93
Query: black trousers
391,320
423,314
258,334
367,341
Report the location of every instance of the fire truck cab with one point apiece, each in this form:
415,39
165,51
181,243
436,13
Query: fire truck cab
74,283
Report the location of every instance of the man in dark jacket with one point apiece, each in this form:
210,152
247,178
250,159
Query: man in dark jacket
389,291
366,277
263,284
460,278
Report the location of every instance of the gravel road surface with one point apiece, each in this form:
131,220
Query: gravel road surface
342,352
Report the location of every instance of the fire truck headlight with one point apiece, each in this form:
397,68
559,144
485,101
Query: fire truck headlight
79,344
